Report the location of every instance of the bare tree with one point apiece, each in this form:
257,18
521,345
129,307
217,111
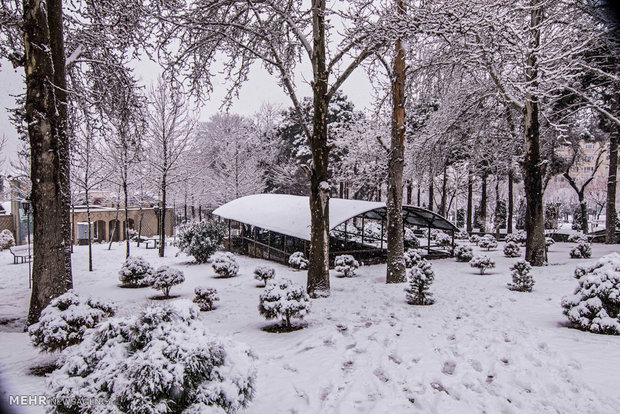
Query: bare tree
169,130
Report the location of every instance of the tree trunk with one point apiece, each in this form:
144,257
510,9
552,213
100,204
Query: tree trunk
318,268
497,223
444,186
126,197
419,195
409,191
583,206
52,259
470,202
162,221
90,235
532,163
610,220
431,191
510,202
482,214
395,243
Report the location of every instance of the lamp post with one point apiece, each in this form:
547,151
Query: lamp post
26,207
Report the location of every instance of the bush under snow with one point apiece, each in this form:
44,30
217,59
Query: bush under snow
136,272
522,279
518,237
201,239
420,278
225,264
512,249
298,261
410,239
412,257
595,305
474,238
65,320
581,251
264,273
346,265
205,298
160,361
165,277
463,253
488,242
285,300
6,239
482,263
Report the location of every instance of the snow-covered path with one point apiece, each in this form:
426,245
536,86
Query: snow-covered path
479,348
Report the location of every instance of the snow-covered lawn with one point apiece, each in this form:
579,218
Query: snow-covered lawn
479,348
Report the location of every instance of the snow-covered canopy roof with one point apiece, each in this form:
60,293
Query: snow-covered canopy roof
290,215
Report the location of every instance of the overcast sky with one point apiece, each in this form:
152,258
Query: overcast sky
261,88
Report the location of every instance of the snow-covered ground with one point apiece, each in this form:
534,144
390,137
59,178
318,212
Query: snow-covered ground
480,348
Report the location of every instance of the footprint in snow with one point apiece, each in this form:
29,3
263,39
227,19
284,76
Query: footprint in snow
449,367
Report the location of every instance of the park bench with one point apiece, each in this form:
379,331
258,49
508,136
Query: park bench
20,254
152,243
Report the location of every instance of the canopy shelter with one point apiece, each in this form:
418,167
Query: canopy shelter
278,224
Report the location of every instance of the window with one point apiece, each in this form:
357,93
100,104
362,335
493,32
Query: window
575,169
589,146
588,169
589,158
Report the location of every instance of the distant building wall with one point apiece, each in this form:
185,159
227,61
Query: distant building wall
104,226
6,222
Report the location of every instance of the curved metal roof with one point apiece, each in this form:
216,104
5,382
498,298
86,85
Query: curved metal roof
290,215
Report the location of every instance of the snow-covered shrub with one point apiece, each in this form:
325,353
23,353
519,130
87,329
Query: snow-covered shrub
512,249
372,230
412,257
165,277
162,360
420,278
443,239
298,261
65,320
6,239
264,273
595,305
549,242
488,242
462,234
224,264
578,238
581,251
410,238
474,238
463,253
346,264
482,263
522,279
205,298
201,239
285,300
133,234
136,272
518,237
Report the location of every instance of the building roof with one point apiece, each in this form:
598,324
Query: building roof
290,215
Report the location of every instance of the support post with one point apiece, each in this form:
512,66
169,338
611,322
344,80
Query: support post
229,238
382,233
429,239
362,230
269,244
452,255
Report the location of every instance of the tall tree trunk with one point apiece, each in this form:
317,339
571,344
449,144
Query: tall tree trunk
610,220
409,191
162,221
510,202
583,206
431,192
318,268
395,250
419,195
482,214
444,195
533,167
497,223
49,195
90,234
126,197
470,203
